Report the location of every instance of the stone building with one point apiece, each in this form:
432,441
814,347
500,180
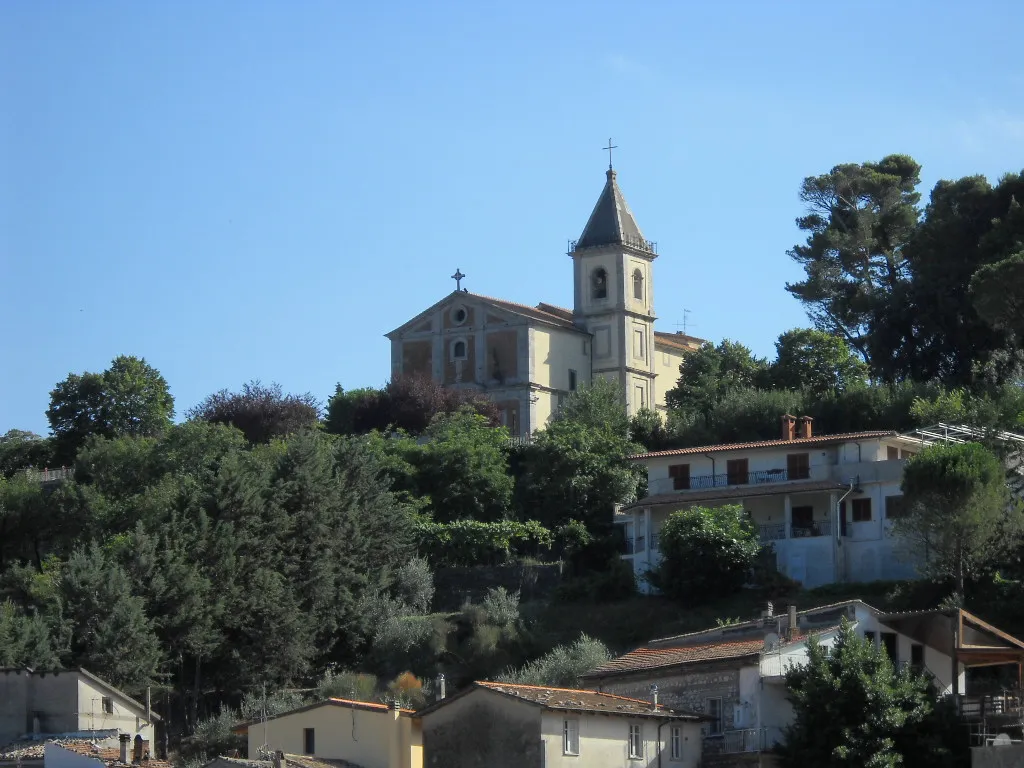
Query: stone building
528,358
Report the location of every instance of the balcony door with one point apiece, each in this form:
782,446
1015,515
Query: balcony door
737,472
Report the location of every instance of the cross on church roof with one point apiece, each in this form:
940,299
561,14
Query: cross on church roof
610,147
458,277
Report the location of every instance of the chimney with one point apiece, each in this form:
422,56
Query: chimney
137,751
791,632
124,739
654,695
788,426
768,611
803,427
440,687
396,709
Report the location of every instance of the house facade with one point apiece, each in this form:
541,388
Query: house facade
528,358
40,704
825,503
735,675
365,733
501,725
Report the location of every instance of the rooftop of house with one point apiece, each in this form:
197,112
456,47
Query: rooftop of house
367,706
818,440
34,750
571,699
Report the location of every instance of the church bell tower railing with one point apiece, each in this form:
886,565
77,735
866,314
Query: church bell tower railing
638,243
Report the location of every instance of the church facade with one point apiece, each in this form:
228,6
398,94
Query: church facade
527,359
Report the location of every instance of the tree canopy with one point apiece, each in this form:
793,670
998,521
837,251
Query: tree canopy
262,413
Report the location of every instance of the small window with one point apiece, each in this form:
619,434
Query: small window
894,507
459,315
638,285
798,466
572,380
459,350
676,743
636,742
870,637
599,284
861,510
308,741
571,737
713,709
108,705
641,397
638,344
891,453
680,474
737,471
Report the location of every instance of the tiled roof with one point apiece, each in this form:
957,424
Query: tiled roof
584,701
679,340
688,498
35,750
611,221
553,317
802,441
552,309
649,658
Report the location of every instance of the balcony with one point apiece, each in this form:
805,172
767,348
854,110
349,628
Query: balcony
735,742
50,475
811,529
726,480
636,544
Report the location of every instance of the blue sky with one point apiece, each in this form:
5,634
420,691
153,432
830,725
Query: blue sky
261,190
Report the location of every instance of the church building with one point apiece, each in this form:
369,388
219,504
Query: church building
527,359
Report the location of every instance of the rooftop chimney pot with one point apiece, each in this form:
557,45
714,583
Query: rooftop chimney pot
804,427
440,687
788,426
124,738
791,633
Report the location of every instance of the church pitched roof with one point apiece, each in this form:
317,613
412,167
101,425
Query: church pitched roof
611,222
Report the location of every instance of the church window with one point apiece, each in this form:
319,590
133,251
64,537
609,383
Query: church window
459,350
599,284
638,343
638,285
459,315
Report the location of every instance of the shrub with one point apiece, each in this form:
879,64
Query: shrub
562,666
415,585
706,553
470,542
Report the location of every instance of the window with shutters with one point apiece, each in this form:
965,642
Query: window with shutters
737,471
680,474
798,466
861,509
636,742
713,709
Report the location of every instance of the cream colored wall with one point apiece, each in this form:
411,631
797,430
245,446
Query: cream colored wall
666,368
604,742
552,353
368,738
126,717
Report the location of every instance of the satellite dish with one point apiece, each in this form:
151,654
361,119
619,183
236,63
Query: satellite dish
1002,740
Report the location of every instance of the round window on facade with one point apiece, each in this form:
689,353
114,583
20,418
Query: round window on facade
459,314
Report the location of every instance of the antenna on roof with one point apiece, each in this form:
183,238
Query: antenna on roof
686,322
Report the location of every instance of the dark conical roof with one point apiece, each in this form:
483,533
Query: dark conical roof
612,222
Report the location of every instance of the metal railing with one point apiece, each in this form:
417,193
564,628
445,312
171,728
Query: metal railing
1007,704
735,742
815,528
47,475
772,531
726,479
636,544
633,241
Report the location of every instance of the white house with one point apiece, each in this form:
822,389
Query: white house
500,724
735,674
825,503
37,704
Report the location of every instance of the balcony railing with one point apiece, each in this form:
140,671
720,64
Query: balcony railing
636,544
50,475
726,479
772,532
735,742
814,528
998,706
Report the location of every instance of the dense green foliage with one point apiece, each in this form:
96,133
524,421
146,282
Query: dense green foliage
706,552
473,542
853,709
959,515
261,413
562,666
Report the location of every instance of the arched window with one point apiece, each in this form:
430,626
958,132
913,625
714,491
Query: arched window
459,350
599,284
638,285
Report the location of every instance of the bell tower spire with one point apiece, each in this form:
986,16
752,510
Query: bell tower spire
613,294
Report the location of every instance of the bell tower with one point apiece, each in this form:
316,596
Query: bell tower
613,296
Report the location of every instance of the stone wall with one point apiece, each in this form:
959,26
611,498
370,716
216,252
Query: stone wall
688,689
454,586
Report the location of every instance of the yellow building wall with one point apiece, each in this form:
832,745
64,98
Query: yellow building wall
604,742
553,353
666,369
373,739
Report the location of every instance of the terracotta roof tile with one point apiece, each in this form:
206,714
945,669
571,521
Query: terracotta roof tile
584,701
819,440
680,340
